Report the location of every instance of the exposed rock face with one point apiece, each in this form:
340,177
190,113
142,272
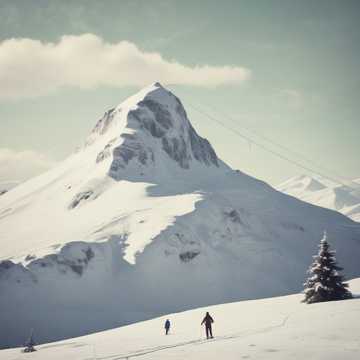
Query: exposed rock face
103,124
82,196
188,255
73,257
159,123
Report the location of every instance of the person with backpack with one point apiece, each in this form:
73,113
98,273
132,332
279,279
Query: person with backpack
167,326
208,320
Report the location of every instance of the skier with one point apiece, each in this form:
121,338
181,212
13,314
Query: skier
167,326
208,320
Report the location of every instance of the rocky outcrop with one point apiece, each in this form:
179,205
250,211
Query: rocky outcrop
160,122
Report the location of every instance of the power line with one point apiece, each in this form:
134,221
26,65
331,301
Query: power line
263,147
297,154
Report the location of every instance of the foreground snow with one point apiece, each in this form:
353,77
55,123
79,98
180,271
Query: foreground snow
274,328
322,192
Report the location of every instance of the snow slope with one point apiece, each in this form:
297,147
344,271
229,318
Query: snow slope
322,192
274,328
5,186
145,219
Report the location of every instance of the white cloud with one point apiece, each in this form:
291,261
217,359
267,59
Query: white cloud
30,68
21,165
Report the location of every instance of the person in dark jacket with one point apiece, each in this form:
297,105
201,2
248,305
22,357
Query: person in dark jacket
167,326
208,320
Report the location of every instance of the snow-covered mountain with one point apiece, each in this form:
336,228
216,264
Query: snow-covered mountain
145,219
271,329
323,192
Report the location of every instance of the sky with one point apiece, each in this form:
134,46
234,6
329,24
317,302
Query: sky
284,74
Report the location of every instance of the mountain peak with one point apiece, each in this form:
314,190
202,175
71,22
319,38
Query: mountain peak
150,132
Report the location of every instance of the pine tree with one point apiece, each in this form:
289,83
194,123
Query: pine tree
325,283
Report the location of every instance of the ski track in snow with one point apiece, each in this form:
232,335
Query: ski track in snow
150,350
146,351
318,331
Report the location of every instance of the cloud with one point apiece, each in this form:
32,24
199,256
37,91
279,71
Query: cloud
30,68
21,165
